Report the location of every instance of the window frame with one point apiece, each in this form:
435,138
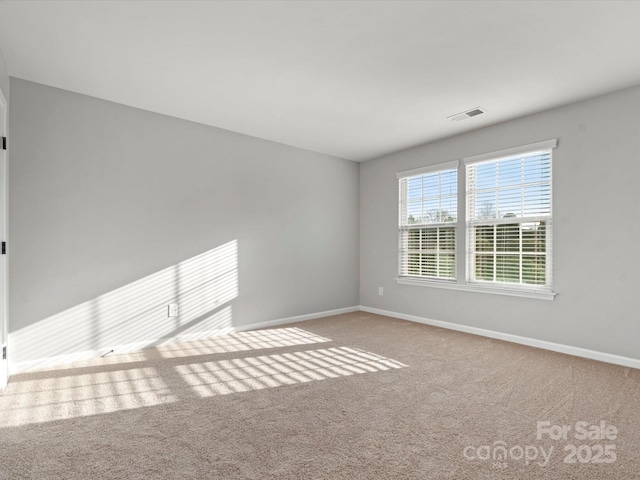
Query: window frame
463,279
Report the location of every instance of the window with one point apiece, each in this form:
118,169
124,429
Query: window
505,229
509,219
428,216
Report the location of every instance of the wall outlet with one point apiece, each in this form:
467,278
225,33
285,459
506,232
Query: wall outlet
172,310
380,291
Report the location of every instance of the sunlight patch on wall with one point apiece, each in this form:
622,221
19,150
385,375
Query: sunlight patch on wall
137,313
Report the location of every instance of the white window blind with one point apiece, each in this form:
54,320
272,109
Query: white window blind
427,222
509,219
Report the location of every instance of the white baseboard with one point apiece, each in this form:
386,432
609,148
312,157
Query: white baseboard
300,318
131,347
40,363
532,342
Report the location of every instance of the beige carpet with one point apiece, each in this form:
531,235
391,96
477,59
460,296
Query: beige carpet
352,396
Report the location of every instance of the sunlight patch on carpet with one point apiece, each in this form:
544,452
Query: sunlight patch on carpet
268,371
64,397
242,341
172,373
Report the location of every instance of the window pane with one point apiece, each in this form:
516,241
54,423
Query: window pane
534,237
429,265
430,239
414,188
430,185
507,268
485,176
413,264
509,172
537,168
414,212
449,209
485,205
534,269
449,182
447,239
485,238
537,200
508,237
432,209
414,239
447,265
484,267
510,202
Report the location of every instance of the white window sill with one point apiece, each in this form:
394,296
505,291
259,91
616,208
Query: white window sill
541,295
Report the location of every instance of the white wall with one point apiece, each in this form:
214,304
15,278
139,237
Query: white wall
595,173
116,212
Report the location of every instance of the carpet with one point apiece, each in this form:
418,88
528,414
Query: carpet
353,396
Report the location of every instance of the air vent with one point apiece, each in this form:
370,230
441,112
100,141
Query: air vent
468,114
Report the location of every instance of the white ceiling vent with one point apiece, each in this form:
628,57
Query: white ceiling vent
468,114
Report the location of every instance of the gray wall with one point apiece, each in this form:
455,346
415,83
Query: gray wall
4,77
595,173
116,212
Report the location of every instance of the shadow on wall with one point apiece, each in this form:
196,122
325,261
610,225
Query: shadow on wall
136,315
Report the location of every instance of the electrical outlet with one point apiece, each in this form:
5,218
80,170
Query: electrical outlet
172,310
380,291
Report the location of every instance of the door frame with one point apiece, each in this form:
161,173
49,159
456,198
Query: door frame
4,209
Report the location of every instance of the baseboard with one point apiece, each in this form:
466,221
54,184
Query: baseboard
131,347
531,342
40,363
301,318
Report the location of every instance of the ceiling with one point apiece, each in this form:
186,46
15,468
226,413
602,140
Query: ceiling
353,79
